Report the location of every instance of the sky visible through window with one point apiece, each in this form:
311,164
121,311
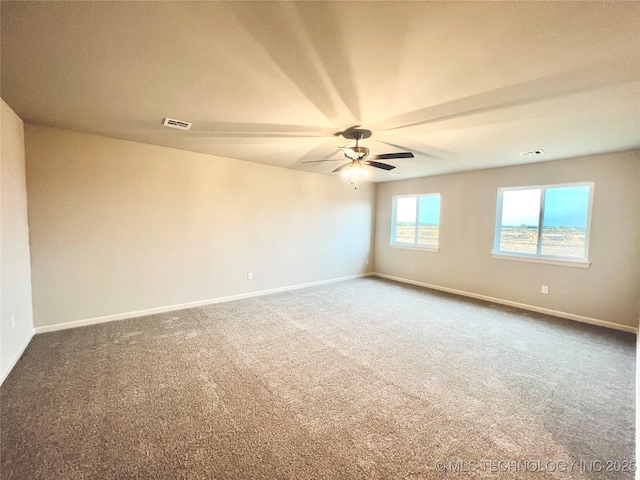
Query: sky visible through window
563,232
564,207
429,210
406,210
521,207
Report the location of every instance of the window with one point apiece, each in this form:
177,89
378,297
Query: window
548,222
416,221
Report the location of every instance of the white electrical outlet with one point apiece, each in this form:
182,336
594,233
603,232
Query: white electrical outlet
13,322
250,276
367,261
545,289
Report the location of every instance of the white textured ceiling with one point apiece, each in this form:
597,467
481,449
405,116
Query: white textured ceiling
461,85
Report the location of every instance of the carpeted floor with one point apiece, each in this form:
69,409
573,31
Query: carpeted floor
359,379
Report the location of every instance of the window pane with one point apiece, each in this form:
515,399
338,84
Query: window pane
428,223
564,228
406,220
520,219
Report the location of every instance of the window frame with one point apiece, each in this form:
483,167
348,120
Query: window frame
415,245
538,257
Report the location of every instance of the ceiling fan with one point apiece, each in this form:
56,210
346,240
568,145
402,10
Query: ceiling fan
359,156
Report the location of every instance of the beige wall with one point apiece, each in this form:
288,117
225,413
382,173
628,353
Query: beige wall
15,273
608,290
118,226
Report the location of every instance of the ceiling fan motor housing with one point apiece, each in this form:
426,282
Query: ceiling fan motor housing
361,152
356,133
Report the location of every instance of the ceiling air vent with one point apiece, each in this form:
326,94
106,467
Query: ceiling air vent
179,124
532,153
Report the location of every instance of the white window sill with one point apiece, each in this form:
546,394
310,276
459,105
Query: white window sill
416,247
547,261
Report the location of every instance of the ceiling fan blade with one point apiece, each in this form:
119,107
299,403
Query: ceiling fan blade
415,146
352,154
258,130
341,167
391,156
383,166
328,160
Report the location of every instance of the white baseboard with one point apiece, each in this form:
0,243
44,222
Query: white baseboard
201,303
524,306
7,370
183,306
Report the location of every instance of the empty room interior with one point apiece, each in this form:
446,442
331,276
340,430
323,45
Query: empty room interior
319,240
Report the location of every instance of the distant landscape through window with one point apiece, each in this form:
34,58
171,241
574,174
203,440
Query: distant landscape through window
549,221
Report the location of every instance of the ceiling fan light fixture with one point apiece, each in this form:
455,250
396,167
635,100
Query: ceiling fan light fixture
355,170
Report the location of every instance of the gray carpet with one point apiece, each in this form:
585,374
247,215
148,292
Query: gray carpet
359,379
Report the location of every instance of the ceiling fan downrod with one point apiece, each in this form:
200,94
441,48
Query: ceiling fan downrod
360,152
